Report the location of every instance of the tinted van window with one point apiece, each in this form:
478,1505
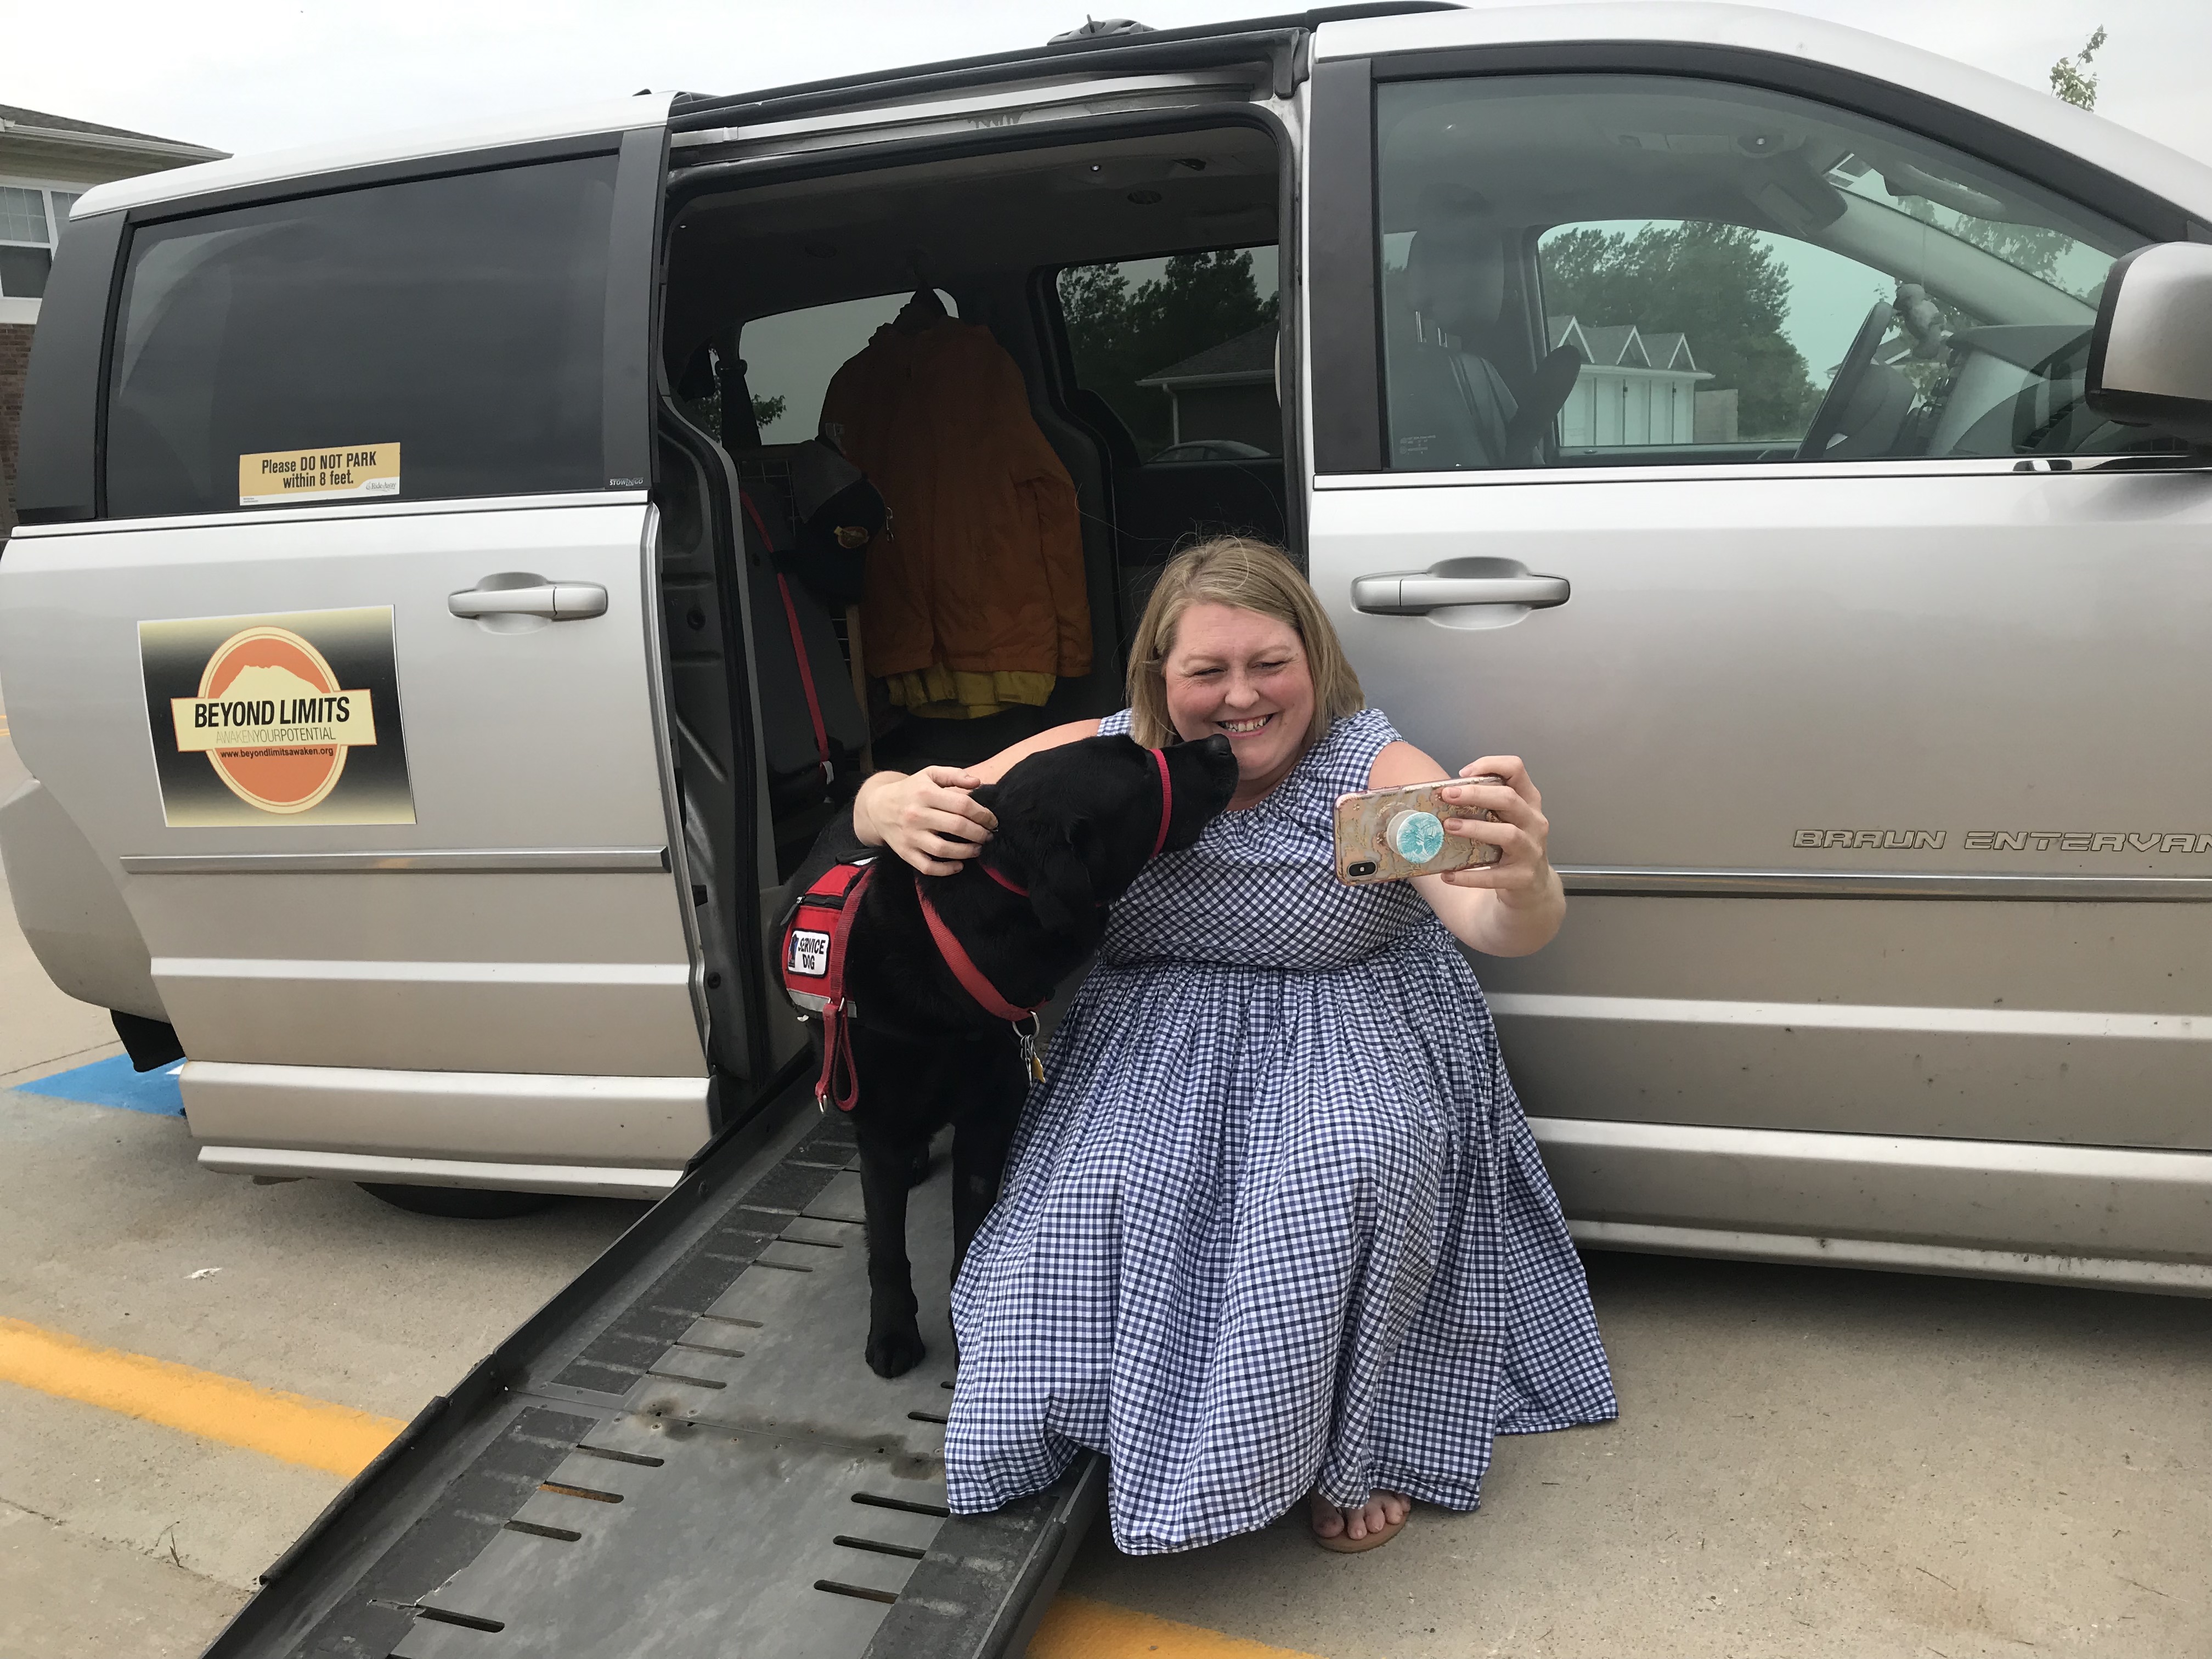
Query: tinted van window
1182,349
438,337
791,358
1599,270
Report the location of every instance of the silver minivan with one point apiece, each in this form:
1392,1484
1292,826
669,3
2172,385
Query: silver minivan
1792,443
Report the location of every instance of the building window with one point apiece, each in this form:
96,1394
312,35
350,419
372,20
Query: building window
31,218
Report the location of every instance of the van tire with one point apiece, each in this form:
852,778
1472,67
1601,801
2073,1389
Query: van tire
463,1203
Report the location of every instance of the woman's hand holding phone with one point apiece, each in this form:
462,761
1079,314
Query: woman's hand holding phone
1523,877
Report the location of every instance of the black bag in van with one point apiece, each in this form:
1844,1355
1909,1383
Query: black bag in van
818,514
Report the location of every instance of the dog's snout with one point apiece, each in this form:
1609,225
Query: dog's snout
1213,760
1220,758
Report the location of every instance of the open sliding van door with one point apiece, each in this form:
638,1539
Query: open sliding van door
333,629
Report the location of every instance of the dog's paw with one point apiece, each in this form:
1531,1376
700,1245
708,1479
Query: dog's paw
895,1353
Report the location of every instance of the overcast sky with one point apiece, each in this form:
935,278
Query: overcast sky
244,77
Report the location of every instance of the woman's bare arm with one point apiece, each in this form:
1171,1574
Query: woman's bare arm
1509,908
1004,762
930,818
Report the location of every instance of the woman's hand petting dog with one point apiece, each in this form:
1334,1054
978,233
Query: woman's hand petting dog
929,817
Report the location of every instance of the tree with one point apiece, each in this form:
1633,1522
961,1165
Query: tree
1719,284
2068,78
1119,334
2037,249
699,394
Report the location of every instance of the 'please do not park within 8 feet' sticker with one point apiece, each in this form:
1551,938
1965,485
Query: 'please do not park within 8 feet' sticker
290,718
278,476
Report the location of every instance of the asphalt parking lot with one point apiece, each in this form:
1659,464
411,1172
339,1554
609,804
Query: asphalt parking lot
1808,1463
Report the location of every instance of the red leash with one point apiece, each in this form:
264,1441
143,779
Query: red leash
965,969
973,981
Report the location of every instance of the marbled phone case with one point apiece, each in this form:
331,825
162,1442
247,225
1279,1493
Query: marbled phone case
1363,823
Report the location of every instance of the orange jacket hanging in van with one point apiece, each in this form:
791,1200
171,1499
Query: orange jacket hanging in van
976,597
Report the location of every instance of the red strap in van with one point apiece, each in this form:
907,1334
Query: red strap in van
798,644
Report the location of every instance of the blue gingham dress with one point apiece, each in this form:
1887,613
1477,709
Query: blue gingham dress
1273,1221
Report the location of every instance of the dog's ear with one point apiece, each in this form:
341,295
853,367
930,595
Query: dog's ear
1060,893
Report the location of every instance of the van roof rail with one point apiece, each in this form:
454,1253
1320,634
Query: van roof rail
1092,27
1199,45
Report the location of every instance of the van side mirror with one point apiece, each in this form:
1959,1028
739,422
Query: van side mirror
2150,355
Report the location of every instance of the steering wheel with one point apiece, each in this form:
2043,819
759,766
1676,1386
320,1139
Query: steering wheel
1828,418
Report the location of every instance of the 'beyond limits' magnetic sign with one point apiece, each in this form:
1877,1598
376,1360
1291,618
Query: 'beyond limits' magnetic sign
291,719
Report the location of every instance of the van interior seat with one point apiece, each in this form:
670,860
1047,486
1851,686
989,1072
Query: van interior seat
1457,367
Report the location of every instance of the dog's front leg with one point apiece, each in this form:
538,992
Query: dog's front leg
980,1148
895,1344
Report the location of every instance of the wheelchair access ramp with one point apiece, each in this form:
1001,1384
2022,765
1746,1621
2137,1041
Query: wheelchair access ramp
684,1455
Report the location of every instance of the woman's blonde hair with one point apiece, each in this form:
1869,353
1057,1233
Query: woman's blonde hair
1248,574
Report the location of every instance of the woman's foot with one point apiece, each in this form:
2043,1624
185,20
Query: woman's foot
1375,1522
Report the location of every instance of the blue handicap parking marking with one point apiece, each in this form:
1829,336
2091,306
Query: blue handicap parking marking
113,1082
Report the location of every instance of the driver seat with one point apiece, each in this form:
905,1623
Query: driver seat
1451,405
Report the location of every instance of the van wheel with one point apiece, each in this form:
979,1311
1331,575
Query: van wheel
465,1203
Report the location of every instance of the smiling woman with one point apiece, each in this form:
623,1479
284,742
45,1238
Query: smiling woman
1275,1229
1227,645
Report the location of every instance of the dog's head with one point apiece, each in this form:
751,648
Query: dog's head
1077,823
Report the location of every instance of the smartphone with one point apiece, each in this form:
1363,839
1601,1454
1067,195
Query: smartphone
1387,835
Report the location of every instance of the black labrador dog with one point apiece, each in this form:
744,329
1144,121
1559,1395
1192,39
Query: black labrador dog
1076,823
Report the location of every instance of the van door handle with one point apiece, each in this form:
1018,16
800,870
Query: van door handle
1416,592
555,601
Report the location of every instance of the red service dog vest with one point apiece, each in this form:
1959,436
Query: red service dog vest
814,942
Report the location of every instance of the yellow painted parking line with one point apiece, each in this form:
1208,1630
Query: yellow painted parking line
315,1433
1075,1627
340,1440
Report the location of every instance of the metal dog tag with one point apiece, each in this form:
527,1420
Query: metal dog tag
1032,1061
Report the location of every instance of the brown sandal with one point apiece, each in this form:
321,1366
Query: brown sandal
1345,1544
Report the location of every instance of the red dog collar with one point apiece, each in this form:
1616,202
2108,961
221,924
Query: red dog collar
1167,799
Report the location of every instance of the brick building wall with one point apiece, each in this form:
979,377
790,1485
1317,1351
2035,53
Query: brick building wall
15,359
59,157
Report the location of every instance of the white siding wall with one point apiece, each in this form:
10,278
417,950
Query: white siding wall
1612,406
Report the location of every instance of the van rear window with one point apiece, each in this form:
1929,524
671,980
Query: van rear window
451,329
